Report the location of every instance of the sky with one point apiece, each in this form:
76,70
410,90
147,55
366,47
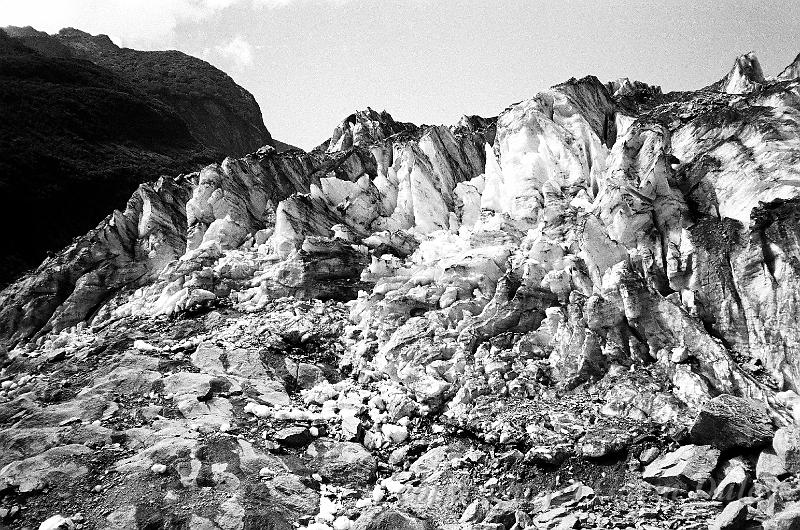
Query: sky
310,63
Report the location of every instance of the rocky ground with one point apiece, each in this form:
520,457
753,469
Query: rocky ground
247,420
580,314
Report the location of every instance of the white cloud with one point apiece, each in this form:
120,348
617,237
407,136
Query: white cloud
142,23
147,24
136,23
284,3
237,50
272,3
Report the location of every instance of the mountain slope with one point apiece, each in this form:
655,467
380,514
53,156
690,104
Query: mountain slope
88,121
75,139
219,113
579,314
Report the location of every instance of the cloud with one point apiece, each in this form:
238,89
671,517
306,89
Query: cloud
141,22
284,3
237,50
144,24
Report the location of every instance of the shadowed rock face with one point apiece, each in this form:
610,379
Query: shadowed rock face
219,113
745,76
364,128
792,71
69,170
576,288
106,120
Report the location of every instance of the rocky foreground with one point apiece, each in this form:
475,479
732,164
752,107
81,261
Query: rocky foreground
580,314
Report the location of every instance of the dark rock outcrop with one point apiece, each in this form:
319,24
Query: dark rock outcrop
86,122
383,519
729,422
792,71
688,468
219,113
745,76
787,446
75,142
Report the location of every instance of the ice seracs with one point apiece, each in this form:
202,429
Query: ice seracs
597,266
792,71
366,128
746,75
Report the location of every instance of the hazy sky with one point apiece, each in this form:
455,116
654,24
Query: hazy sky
310,63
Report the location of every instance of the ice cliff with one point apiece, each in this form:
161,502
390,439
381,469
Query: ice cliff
603,238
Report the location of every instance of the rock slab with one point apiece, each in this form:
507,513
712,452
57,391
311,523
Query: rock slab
730,422
688,468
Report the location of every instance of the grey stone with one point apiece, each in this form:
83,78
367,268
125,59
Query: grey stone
735,480
431,460
293,436
292,495
208,358
352,428
57,522
788,519
54,466
503,512
399,455
649,454
475,511
687,468
730,422
346,463
381,518
770,464
306,375
733,517
787,446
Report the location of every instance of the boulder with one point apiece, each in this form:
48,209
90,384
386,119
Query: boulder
429,462
787,446
602,440
504,513
770,464
788,519
58,465
345,463
735,480
352,427
306,375
730,422
381,518
395,433
475,511
687,468
293,436
57,522
562,498
291,495
648,455
733,517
